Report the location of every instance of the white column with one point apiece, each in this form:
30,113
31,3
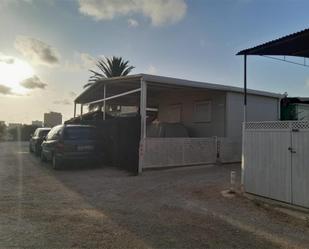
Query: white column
74,109
244,123
143,106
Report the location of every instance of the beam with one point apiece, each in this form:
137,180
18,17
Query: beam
114,97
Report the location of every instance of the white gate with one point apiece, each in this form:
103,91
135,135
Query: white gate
276,160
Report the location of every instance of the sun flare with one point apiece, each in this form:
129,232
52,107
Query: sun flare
12,74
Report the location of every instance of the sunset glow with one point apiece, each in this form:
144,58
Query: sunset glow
14,73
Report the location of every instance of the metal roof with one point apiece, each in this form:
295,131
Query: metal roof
132,82
296,44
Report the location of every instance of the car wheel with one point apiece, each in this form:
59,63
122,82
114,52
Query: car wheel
56,162
43,157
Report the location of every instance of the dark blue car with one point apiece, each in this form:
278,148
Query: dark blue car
70,143
36,140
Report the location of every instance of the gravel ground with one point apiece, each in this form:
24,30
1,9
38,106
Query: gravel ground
82,207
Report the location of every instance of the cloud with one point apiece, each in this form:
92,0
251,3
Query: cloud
87,60
160,12
33,82
133,23
5,3
80,61
6,59
72,94
62,102
37,51
152,70
5,90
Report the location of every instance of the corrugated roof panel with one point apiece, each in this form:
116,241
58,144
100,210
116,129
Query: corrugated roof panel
296,44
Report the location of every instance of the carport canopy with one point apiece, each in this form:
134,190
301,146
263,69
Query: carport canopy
296,44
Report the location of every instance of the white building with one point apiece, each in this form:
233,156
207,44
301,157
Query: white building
52,119
37,123
212,114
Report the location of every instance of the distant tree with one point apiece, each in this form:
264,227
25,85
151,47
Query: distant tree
109,67
2,130
14,133
22,133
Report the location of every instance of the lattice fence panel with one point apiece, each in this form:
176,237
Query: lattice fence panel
267,125
300,125
277,125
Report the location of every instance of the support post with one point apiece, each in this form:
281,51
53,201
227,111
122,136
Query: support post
81,111
143,114
244,123
245,88
104,102
279,109
74,109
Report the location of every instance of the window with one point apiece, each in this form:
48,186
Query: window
36,133
54,133
76,133
202,112
43,133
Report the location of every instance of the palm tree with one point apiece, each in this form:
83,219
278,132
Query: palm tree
110,67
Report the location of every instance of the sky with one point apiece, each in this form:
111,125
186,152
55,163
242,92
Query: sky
48,46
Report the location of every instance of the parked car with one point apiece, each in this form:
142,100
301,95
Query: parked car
36,140
68,143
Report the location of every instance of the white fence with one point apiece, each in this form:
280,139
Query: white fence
229,149
276,160
168,152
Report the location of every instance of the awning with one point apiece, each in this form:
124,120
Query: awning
296,44
119,85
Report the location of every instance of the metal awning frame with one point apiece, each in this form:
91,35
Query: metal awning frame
143,107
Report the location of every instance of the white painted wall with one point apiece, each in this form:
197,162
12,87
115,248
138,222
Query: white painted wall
186,99
259,108
226,111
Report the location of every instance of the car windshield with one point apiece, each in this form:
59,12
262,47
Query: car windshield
43,133
76,133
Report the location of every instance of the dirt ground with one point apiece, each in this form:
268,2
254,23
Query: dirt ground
82,207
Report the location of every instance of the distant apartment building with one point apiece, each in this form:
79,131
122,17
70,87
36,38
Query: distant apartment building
37,123
52,119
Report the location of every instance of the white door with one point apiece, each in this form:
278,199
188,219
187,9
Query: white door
267,163
300,168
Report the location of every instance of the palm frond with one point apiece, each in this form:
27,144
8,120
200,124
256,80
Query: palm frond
109,67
